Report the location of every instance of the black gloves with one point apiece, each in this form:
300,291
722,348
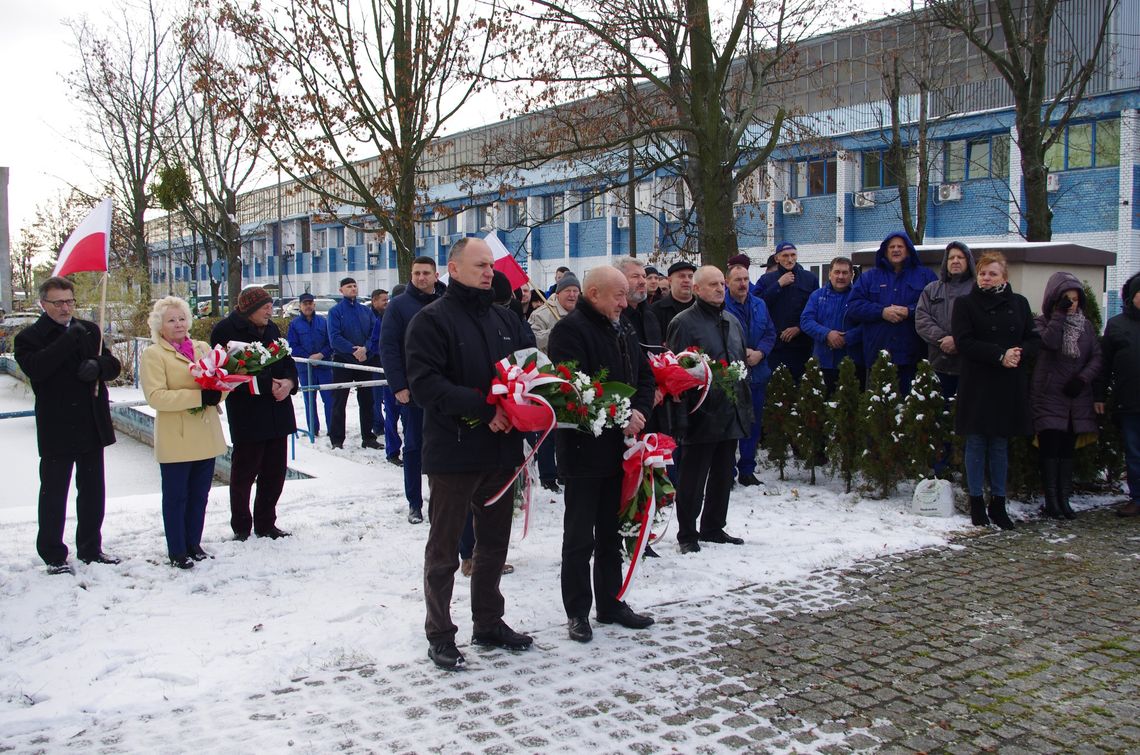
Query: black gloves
1073,386
211,398
88,370
76,330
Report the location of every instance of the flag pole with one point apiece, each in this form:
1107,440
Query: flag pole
102,314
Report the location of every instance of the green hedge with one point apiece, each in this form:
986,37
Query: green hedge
200,330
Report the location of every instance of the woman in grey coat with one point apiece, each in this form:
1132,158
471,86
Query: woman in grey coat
1069,362
932,314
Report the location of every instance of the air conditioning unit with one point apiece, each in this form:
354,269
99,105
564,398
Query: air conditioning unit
793,207
949,192
317,252
344,253
864,199
623,221
1053,182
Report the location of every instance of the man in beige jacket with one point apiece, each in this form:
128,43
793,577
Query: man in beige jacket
556,307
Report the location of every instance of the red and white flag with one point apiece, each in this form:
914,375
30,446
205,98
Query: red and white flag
505,262
89,246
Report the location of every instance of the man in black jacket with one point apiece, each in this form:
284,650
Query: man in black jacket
470,450
595,336
680,296
260,425
62,358
709,440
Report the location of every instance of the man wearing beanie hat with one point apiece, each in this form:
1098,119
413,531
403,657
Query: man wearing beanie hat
261,423
565,299
1120,348
350,327
786,290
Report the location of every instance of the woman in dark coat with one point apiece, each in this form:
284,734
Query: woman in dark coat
1062,393
993,330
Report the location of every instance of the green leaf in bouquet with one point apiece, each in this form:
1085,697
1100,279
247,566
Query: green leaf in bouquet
614,388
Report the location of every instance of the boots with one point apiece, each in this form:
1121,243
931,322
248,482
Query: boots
1052,508
1065,487
978,516
998,514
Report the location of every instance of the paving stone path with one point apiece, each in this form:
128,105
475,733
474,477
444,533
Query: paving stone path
1021,642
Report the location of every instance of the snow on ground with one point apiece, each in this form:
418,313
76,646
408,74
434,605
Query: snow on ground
121,641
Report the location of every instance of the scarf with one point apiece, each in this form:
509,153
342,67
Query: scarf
186,348
995,289
1070,340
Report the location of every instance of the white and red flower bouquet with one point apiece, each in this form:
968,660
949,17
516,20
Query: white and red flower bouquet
646,495
227,368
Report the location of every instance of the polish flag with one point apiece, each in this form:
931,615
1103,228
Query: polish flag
89,246
505,262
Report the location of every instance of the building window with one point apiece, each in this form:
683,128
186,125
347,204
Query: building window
815,177
1094,144
877,173
981,157
550,207
516,213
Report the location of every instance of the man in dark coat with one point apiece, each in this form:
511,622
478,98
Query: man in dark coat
350,328
425,289
596,337
260,424
680,296
470,449
62,358
709,440
785,291
1121,349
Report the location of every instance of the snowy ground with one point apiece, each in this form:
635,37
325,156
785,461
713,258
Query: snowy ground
129,641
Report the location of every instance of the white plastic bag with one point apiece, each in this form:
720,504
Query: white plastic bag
933,498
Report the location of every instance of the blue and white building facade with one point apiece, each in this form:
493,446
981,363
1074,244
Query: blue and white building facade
830,198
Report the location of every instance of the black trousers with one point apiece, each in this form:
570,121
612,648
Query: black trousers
55,481
264,462
590,528
703,488
452,496
363,399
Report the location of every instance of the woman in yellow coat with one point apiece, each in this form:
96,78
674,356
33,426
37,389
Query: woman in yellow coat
187,429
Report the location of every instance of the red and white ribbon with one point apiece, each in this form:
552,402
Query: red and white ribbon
210,373
667,369
645,454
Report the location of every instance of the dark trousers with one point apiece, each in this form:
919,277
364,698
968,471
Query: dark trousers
263,461
706,481
340,400
385,415
55,481
452,496
547,466
750,442
185,491
590,528
792,357
318,376
413,418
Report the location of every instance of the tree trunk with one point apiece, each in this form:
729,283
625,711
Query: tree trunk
1036,212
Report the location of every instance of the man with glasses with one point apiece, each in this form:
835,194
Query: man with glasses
62,358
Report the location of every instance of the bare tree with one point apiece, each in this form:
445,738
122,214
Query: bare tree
1048,54
635,86
344,81
121,81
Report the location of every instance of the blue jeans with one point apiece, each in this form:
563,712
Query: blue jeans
185,491
413,419
747,463
1130,438
982,452
320,376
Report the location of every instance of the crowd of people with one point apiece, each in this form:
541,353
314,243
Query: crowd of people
437,346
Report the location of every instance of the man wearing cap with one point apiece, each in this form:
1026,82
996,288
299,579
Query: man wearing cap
680,296
308,337
565,298
424,289
653,279
786,290
385,412
261,423
350,325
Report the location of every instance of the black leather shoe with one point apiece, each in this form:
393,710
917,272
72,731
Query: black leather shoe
198,554
100,558
338,446
241,537
580,629
415,516
690,547
502,636
396,460
552,486
625,616
650,553
748,480
371,443
720,536
273,533
446,656
182,562
60,568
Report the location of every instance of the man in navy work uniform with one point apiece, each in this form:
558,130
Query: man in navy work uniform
308,337
350,325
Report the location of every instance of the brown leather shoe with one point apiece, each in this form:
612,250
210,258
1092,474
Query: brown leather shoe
466,566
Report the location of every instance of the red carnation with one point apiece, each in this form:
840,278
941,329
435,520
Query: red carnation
564,371
613,410
723,363
565,387
273,348
571,406
241,363
598,389
583,410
